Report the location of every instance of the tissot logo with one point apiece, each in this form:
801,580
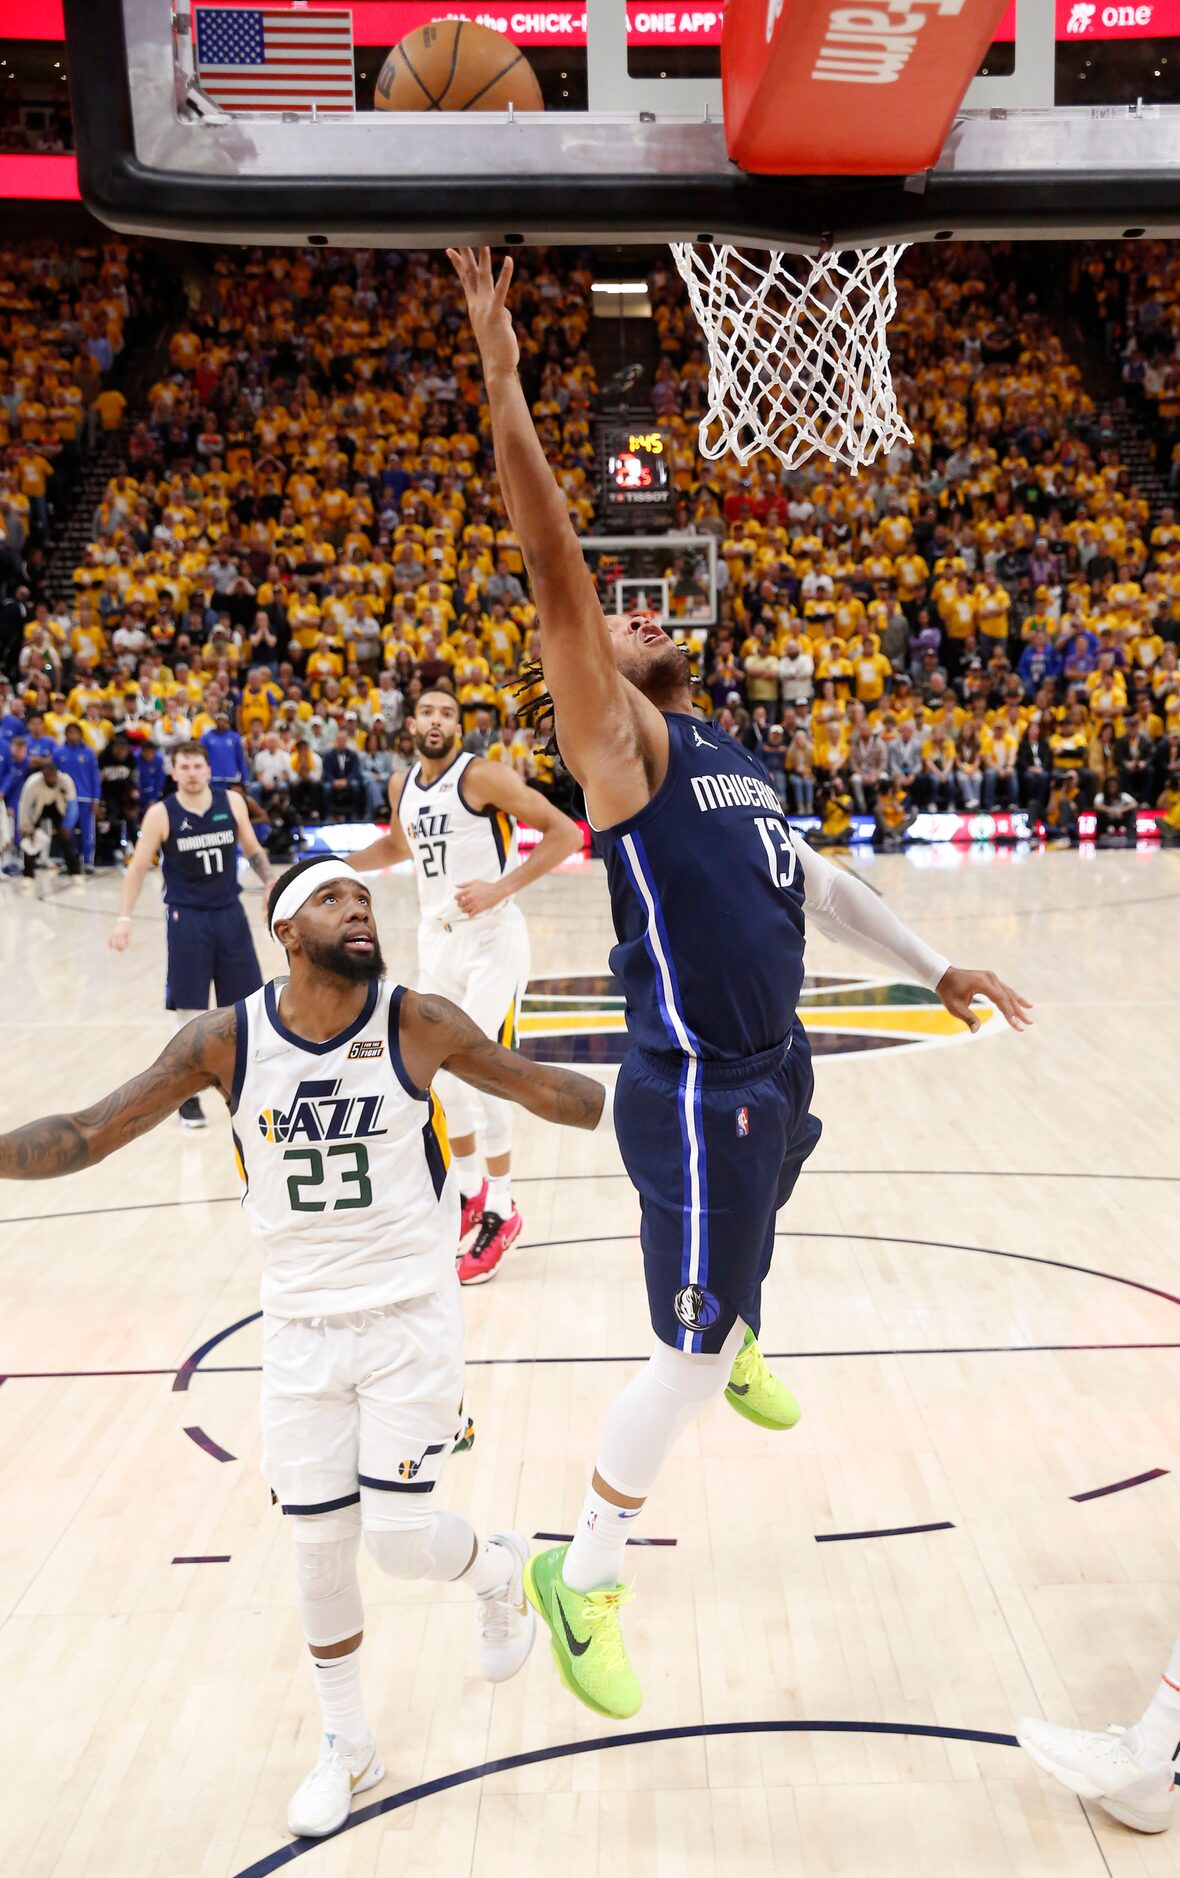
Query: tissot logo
319,1113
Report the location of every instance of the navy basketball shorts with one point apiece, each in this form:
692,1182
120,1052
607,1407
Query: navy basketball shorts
209,946
714,1150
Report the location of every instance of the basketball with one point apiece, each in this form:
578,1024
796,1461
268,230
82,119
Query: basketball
454,65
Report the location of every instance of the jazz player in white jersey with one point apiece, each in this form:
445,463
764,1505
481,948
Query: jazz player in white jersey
455,816
343,1151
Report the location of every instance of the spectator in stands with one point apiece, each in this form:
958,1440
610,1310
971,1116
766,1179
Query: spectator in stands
47,816
1034,765
343,782
1115,809
227,758
376,769
78,761
480,737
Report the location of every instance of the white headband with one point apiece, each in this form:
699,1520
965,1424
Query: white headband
298,892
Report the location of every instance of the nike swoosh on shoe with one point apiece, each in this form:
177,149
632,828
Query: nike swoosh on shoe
576,1648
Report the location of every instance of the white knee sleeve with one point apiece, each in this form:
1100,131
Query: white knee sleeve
497,1126
646,1421
461,1105
326,1583
181,1018
438,1545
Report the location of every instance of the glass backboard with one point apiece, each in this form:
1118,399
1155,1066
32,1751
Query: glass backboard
644,159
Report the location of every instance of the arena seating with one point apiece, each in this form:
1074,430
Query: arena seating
303,529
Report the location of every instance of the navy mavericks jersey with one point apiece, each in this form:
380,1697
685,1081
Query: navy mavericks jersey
200,855
707,900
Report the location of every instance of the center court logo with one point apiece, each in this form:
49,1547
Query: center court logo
582,1020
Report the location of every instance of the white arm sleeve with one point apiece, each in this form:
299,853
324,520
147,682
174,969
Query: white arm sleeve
843,908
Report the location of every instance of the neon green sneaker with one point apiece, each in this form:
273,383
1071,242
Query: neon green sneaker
586,1639
755,1392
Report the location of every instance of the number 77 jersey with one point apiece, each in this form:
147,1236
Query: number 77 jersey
199,855
344,1162
707,900
452,842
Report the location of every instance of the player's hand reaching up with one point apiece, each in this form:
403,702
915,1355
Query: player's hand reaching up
487,306
959,984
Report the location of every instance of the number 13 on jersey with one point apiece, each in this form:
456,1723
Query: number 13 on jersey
780,849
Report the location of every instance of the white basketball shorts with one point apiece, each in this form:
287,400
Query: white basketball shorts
482,965
358,1408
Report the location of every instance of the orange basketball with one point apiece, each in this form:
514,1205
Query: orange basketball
454,65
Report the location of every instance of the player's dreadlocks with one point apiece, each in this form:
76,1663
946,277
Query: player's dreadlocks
536,700
536,703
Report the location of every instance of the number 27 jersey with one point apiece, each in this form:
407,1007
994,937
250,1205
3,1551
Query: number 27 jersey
450,841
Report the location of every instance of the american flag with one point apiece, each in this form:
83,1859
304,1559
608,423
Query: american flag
261,59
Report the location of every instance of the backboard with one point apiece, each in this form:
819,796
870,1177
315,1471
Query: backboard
671,576
646,160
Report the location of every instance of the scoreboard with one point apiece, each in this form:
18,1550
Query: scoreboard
635,468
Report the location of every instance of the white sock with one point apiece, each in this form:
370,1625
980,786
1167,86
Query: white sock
1158,1728
499,1200
338,1685
594,1561
642,1427
467,1169
490,1569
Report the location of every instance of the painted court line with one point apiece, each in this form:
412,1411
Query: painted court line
884,1532
208,1558
1120,1486
566,1538
697,1731
210,1446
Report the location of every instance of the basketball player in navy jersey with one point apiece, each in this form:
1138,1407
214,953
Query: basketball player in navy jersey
709,892
197,833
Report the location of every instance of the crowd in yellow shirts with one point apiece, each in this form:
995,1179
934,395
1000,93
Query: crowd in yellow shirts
989,617
308,530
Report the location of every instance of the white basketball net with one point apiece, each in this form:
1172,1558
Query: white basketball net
798,359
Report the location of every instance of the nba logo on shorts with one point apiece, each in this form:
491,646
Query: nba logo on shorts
743,1121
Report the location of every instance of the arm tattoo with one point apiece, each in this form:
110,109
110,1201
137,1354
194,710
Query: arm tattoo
61,1144
556,1095
258,863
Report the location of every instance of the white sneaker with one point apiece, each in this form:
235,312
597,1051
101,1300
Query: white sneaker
321,1804
507,1626
1105,1768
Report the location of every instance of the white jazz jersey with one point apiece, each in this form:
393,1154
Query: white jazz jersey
344,1161
452,842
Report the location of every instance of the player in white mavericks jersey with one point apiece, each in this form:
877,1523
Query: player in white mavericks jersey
455,816
342,1147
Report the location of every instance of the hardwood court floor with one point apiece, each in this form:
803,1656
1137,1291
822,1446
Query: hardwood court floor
979,1291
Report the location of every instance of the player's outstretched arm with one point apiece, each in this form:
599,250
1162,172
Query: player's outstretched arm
201,1056
436,1034
248,841
153,833
387,849
843,908
602,720
494,786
